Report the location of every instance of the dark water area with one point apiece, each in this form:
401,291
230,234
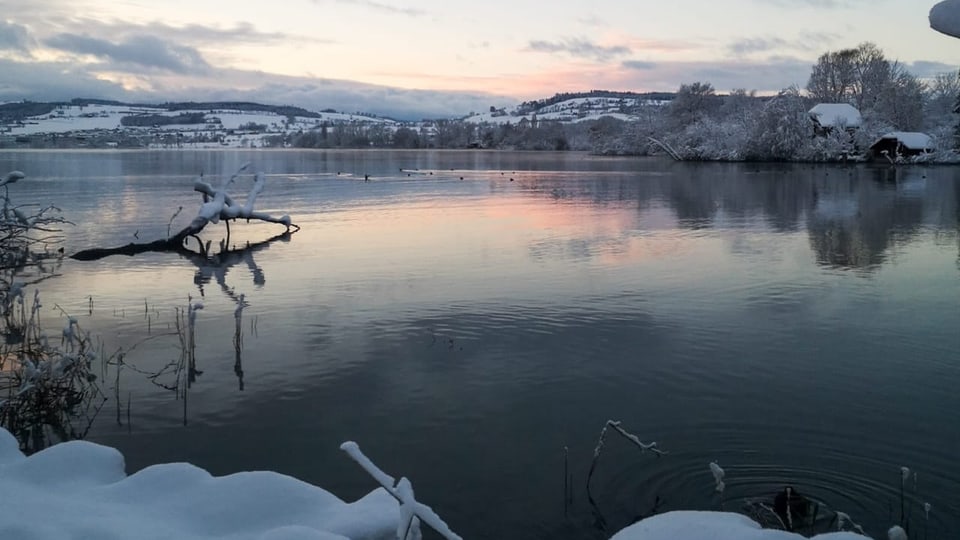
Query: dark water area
466,316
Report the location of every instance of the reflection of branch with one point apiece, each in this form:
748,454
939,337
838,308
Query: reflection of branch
218,266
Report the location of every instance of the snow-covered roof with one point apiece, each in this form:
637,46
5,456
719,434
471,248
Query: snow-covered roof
911,140
945,17
836,114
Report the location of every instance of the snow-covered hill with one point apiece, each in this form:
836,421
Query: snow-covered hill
198,127
101,124
578,109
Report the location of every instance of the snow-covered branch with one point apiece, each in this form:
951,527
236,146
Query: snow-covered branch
403,492
218,205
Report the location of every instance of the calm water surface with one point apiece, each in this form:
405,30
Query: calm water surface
465,316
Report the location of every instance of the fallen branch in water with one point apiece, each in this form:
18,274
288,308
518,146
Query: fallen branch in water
217,205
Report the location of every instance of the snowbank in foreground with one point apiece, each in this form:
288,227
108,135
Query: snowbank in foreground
80,490
945,17
712,526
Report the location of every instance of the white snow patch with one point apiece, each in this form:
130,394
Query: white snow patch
79,490
911,140
830,115
692,525
897,533
945,17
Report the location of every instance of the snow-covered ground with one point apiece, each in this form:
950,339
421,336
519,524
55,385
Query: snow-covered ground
81,490
712,526
217,123
571,110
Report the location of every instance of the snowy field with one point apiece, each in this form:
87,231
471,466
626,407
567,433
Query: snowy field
76,118
571,110
81,490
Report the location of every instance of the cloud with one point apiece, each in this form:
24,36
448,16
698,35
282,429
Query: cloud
808,41
927,70
580,48
62,81
242,32
318,94
144,51
593,21
52,81
46,17
638,64
752,45
379,6
766,76
15,37
828,4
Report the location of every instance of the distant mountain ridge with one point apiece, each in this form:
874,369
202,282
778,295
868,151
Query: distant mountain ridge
19,111
527,107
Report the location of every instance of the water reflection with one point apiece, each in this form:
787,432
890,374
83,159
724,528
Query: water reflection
472,329
853,216
216,267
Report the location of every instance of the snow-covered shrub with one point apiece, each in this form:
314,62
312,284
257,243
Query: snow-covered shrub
779,130
707,139
47,389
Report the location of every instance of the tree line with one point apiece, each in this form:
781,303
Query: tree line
699,123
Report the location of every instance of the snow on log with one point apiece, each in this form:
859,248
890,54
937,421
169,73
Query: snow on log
217,205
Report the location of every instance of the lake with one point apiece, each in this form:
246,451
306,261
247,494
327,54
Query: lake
472,320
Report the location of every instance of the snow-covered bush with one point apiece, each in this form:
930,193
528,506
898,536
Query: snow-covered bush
780,129
707,139
47,389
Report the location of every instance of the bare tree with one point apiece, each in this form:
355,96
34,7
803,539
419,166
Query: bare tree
872,73
942,93
832,78
900,101
856,76
693,102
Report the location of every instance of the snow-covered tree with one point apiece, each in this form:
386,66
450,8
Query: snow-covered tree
900,99
780,129
855,76
942,94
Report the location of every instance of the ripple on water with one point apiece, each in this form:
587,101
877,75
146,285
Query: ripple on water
840,473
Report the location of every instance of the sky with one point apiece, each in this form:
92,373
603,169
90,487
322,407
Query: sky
433,58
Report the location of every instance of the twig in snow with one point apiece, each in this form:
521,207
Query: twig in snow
402,492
